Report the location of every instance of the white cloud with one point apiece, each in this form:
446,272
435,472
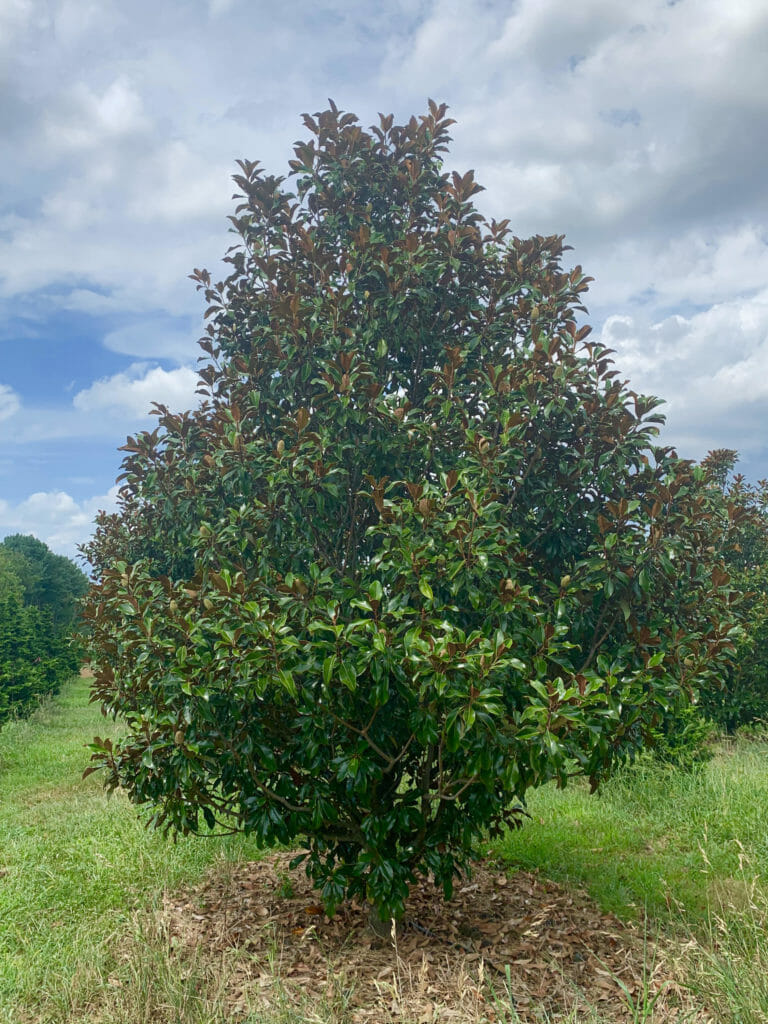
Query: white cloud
648,111
74,19
177,184
55,518
16,17
109,408
712,369
154,338
86,119
218,7
696,268
9,402
133,391
86,300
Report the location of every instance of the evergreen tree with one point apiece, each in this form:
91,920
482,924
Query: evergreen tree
417,552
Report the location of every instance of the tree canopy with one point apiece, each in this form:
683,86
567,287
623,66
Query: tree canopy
417,551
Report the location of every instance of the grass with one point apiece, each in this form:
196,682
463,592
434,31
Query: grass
654,838
684,852
81,881
76,867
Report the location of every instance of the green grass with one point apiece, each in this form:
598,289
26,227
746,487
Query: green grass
654,838
81,880
684,852
76,866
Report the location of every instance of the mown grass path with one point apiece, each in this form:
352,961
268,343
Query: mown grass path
74,864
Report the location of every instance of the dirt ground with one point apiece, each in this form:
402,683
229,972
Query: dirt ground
504,942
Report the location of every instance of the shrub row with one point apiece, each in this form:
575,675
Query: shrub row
39,594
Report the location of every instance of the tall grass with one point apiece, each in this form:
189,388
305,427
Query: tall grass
655,838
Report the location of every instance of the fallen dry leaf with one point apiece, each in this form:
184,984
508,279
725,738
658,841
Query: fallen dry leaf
561,952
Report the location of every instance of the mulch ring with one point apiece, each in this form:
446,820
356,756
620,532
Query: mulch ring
503,942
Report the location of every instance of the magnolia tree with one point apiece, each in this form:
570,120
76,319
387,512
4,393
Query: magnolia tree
416,552
742,697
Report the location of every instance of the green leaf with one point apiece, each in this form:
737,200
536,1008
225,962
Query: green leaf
348,676
287,682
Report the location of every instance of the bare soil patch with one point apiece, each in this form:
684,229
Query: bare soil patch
503,942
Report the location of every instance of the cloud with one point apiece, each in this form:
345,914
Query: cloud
686,84
635,129
711,367
16,17
697,268
9,402
55,518
109,408
86,119
155,338
216,8
86,300
133,391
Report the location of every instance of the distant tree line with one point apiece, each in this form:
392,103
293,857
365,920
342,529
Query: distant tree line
742,697
737,695
39,609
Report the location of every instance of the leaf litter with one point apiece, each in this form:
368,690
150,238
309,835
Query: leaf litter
505,948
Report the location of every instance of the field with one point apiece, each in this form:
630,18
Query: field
101,921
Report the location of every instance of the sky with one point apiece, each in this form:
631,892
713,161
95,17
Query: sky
639,130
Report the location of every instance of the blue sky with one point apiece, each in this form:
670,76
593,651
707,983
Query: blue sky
640,131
